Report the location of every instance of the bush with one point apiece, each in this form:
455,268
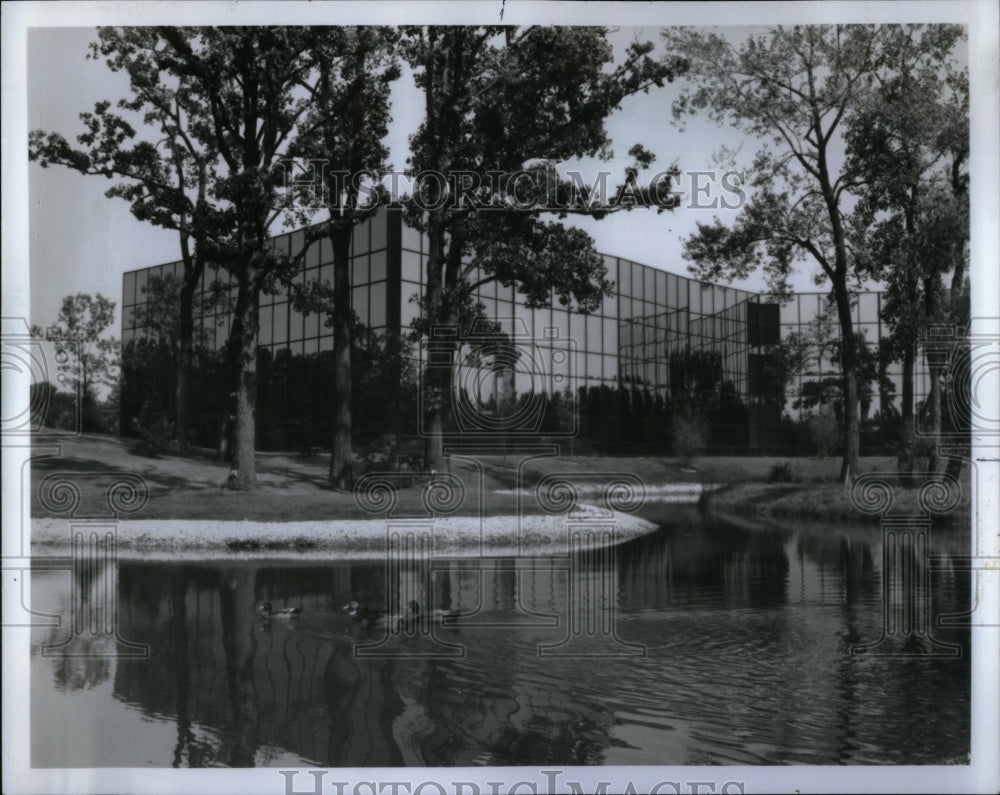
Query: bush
690,435
782,473
823,431
387,454
155,432
914,450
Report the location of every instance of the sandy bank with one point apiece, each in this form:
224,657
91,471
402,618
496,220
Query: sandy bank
461,535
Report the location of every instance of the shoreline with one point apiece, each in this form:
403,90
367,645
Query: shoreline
816,502
456,535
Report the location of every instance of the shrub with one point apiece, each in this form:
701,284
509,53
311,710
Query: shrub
782,473
690,434
155,432
914,450
823,431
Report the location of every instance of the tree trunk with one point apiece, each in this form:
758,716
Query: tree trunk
906,412
342,456
438,350
246,387
935,372
934,416
849,465
184,362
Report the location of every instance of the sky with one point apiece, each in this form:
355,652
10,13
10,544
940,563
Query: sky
81,241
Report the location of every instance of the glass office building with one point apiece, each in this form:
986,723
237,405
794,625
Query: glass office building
618,371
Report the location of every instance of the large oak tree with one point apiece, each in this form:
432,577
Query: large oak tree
499,104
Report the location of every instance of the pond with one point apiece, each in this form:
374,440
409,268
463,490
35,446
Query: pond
701,643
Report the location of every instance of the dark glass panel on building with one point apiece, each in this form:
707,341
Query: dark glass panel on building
280,243
624,277
280,327
522,321
359,302
637,283
360,239
541,319
578,329
359,270
140,286
489,307
378,305
595,342
563,321
295,325
377,266
609,305
672,291
265,333
410,264
128,289
868,307
312,324
411,238
763,323
297,240
379,229
312,257
594,367
649,283
325,251
694,296
326,342
610,366
661,288
809,307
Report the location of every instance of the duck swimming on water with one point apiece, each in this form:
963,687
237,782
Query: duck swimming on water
369,617
264,611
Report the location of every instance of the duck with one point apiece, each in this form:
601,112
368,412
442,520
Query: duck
264,611
369,617
410,614
365,616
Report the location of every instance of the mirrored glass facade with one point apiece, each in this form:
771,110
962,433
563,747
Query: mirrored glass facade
658,338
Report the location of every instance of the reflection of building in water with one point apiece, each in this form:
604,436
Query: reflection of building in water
721,608
267,687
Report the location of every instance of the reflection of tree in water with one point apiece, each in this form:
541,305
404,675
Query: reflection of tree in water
83,673
544,741
85,662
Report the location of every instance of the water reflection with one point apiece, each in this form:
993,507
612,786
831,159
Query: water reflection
747,639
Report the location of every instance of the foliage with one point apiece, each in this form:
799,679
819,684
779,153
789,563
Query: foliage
93,364
689,433
823,428
53,408
477,84
782,472
793,89
154,431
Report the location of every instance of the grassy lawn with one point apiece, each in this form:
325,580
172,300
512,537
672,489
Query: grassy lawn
293,487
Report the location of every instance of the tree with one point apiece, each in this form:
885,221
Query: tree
248,91
347,125
169,180
498,102
790,88
86,318
909,144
